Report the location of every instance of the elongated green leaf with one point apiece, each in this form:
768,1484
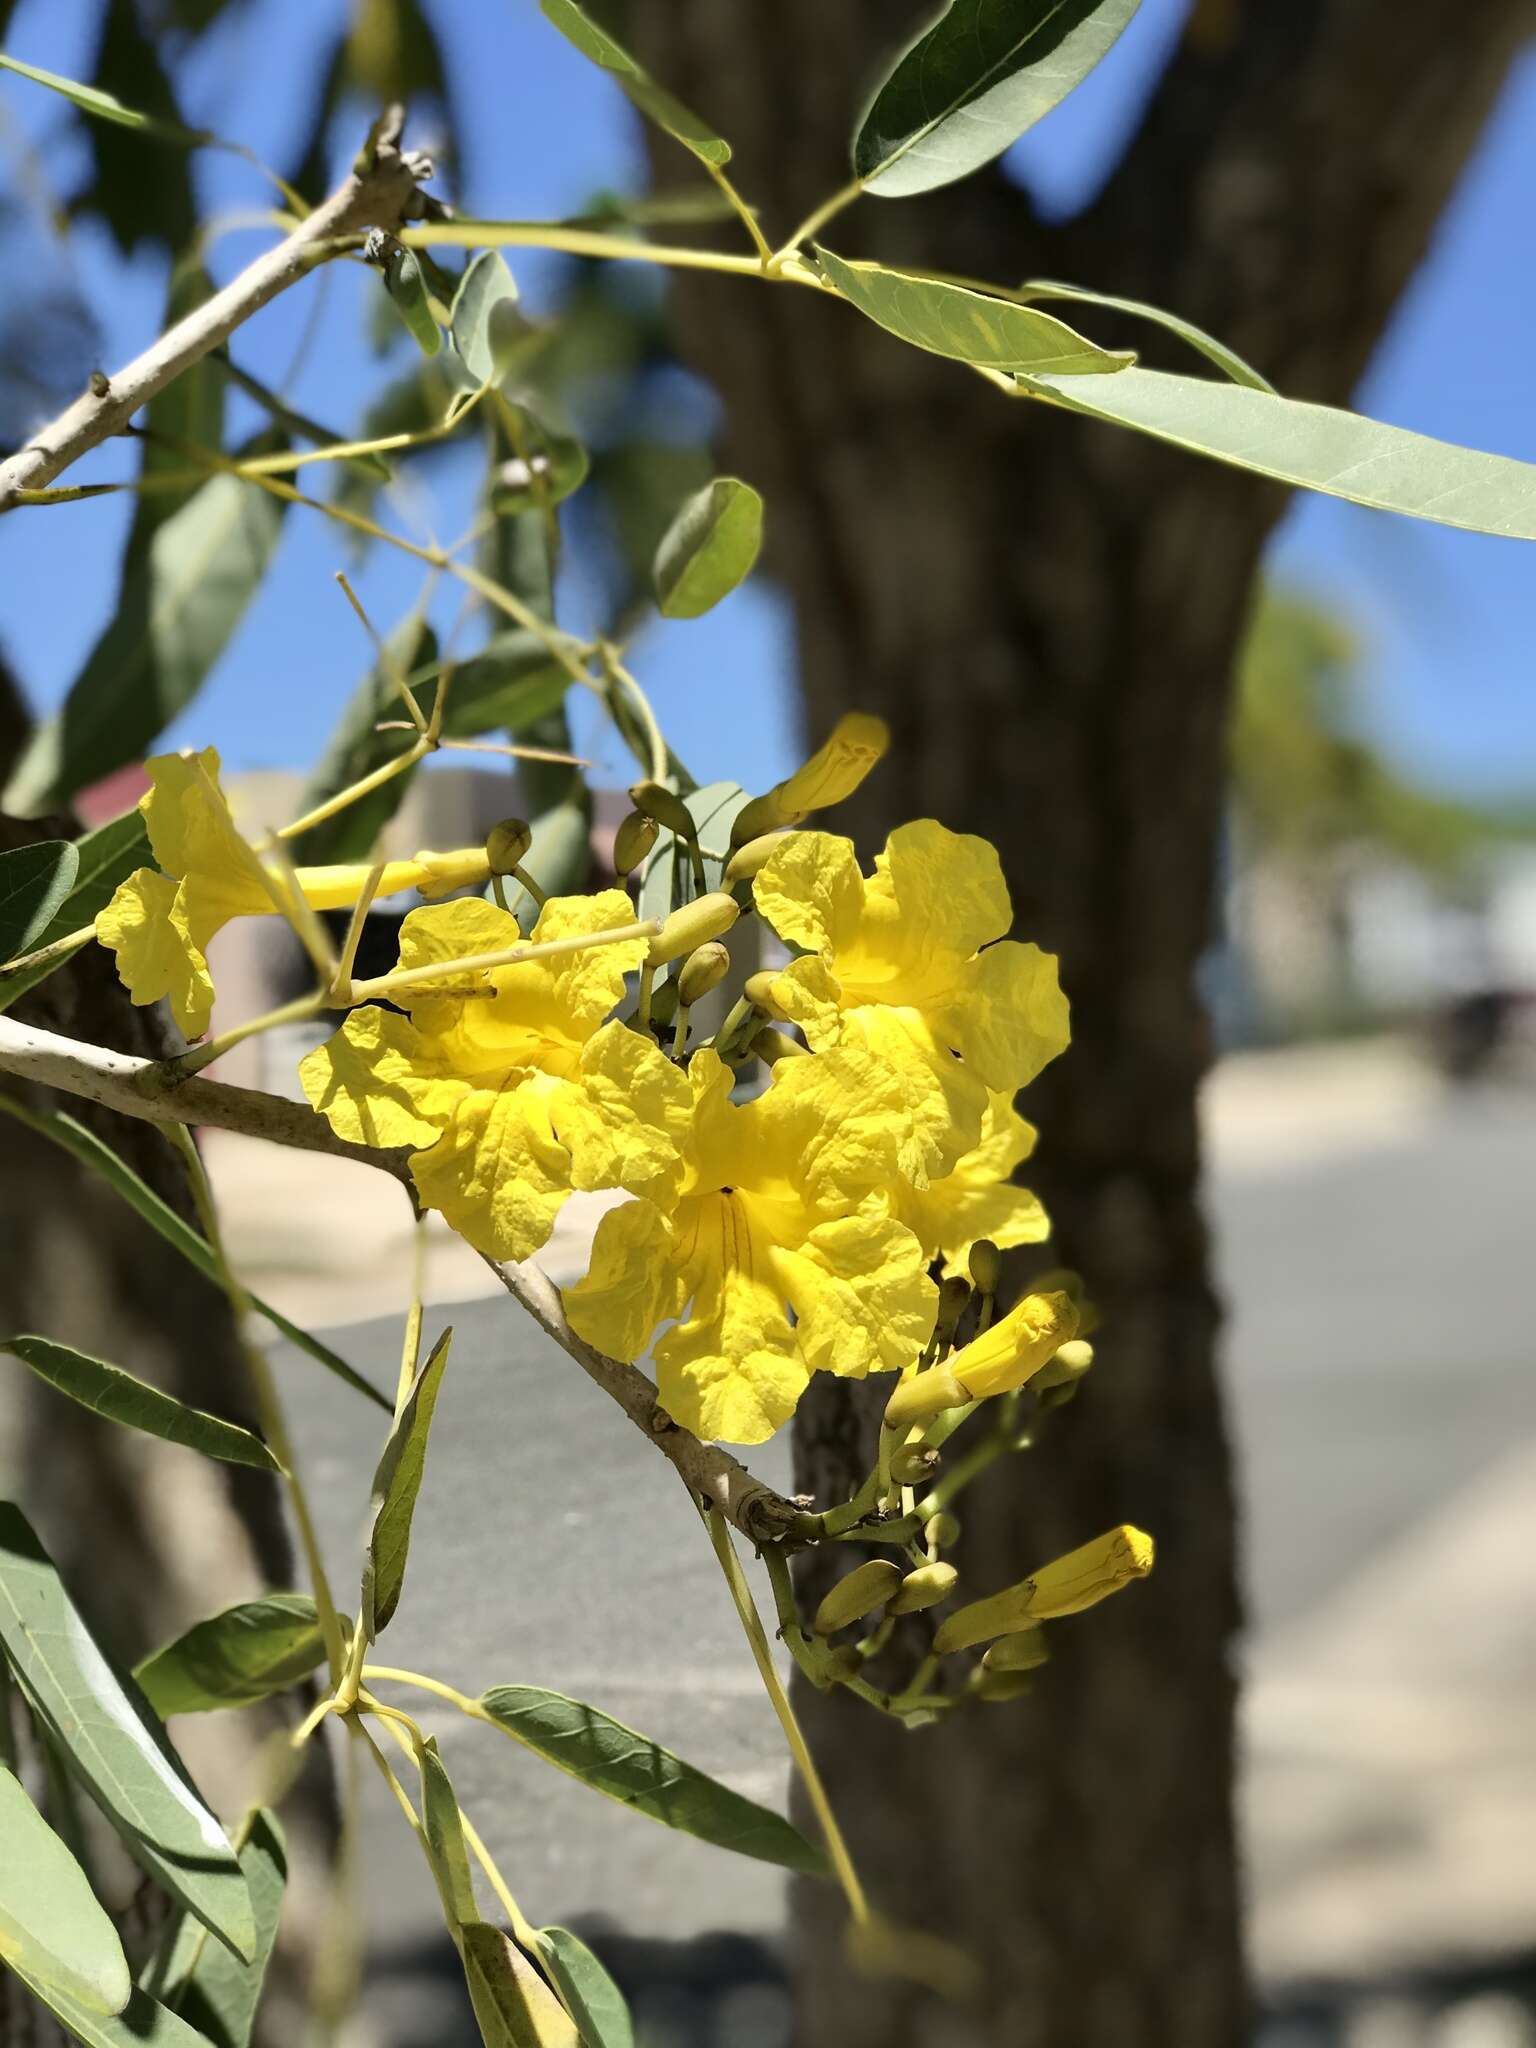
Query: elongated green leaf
487,327
50,1921
514,2007
104,106
713,809
406,284
670,115
246,1653
1227,360
179,603
444,1830
709,548
34,882
1337,453
98,1155
116,1396
640,1774
595,2001
111,1741
189,412
203,1982
105,858
969,326
142,2023
396,1484
971,85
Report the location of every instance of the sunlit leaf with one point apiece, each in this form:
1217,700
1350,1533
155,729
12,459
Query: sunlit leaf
202,1981
967,325
627,1766
545,470
116,1396
406,283
106,1733
142,2023
595,2001
1227,360
50,1921
444,1831
104,858
709,548
487,328
34,882
103,106
971,85
396,1484
514,2007
232,1659
653,100
1337,453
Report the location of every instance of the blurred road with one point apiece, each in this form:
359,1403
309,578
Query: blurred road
1375,1247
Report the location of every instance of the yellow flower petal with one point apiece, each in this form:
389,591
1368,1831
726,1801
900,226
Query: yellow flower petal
1012,1018
194,837
624,1116
632,1284
811,892
156,954
978,1199
732,1370
823,1134
498,1174
837,767
938,892
861,1294
1010,1353
587,985
377,1081
944,1102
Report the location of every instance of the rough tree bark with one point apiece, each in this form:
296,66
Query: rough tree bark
1047,613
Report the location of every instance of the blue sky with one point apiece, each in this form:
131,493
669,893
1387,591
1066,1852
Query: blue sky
1447,619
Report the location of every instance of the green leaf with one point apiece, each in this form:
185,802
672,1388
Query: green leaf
546,469
709,548
104,106
396,1483
714,809
443,1829
179,603
50,1921
111,1741
232,1659
486,326
189,412
95,1153
34,882
116,1396
406,284
203,1982
595,2001
972,84
670,115
514,2007
1227,360
106,858
968,325
1338,453
640,1774
142,2023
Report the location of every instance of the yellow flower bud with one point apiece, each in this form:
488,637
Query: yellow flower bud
942,1530
1025,1651
747,860
995,1686
833,772
705,968
1080,1579
706,918
925,1587
632,842
507,844
913,1464
759,990
665,806
923,1396
985,1264
771,1046
433,874
1066,1368
1016,1347
863,1590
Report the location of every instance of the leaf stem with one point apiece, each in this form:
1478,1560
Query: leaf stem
56,949
843,197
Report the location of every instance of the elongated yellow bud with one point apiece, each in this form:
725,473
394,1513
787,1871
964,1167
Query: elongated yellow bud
833,772
986,1265
749,860
1066,1368
863,1590
1025,1651
705,968
665,806
922,1397
507,843
632,842
759,990
434,874
1080,1579
925,1587
1016,1347
771,1046
708,917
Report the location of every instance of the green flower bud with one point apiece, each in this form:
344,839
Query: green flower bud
844,1661
764,815
995,1686
664,1004
1025,1651
985,1264
1066,1368
913,1464
665,806
507,844
925,1587
771,1046
632,842
863,1590
954,1298
706,918
922,1397
748,860
941,1531
705,968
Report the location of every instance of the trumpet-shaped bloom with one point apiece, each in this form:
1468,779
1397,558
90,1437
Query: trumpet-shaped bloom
161,919
507,1080
1012,1351
777,1216
910,964
977,1198
852,748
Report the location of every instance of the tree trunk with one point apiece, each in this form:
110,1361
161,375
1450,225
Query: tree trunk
1047,612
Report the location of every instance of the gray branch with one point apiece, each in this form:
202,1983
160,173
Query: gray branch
378,196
